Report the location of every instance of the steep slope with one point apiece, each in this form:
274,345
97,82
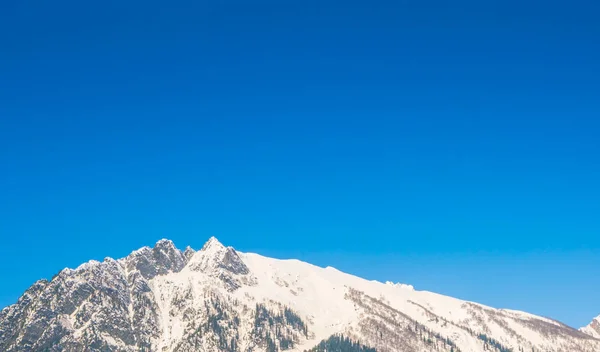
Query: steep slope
593,329
99,304
218,299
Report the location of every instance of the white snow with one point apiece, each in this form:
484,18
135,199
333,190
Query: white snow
593,328
318,295
400,285
87,265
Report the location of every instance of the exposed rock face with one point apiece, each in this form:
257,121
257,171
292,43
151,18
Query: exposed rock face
150,262
188,253
593,329
93,305
111,306
221,262
216,258
217,299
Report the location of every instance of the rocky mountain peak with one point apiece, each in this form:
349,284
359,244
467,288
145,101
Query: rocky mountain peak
216,260
165,244
593,329
162,259
188,253
215,257
212,245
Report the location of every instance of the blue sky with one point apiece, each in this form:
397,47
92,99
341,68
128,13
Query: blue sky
453,146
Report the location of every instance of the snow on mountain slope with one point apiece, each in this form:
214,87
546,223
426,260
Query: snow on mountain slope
593,329
218,299
322,294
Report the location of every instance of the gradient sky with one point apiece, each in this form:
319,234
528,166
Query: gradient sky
451,145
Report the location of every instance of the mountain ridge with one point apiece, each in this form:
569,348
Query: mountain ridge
593,328
218,299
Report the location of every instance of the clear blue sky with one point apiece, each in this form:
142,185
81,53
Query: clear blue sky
451,145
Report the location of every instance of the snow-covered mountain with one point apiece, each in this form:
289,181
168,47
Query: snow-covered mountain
219,299
593,328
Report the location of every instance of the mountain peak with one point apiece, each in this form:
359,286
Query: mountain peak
217,260
593,329
162,243
167,248
212,244
161,259
188,253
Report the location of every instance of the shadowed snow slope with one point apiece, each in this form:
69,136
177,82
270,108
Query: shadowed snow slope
218,299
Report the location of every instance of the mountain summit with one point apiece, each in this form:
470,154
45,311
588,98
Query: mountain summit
214,256
218,299
212,244
593,329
